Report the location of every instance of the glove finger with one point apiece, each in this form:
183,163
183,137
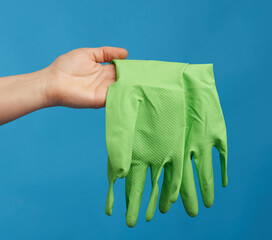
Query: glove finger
188,190
135,182
155,174
204,167
165,202
110,196
223,153
177,167
110,200
121,115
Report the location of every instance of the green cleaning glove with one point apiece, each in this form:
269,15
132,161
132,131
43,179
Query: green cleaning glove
145,127
205,128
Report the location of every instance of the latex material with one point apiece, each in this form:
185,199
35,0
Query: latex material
205,128
145,127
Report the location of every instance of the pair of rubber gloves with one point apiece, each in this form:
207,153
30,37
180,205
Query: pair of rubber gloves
163,115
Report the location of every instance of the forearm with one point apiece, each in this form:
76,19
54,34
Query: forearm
22,94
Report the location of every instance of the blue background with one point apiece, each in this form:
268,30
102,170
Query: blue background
53,181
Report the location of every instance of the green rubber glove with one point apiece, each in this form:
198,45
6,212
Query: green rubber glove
205,128
145,127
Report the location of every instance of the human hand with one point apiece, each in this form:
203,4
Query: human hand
77,79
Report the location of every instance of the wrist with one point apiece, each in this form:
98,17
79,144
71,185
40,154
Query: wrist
46,90
37,90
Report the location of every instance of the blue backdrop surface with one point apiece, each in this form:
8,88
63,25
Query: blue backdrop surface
53,162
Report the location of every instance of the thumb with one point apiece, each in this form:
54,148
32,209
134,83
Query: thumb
106,54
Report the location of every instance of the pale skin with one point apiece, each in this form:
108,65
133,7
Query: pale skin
75,79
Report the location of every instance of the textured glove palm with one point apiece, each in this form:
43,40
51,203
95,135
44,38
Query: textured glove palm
145,127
